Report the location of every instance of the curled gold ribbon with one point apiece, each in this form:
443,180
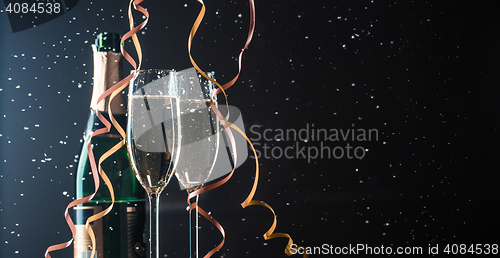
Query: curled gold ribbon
113,91
87,198
227,125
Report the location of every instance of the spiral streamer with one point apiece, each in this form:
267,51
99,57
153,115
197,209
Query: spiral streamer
270,234
113,91
116,89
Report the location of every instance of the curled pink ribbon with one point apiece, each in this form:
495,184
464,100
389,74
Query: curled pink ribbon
111,91
227,127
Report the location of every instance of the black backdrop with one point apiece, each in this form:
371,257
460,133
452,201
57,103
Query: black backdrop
423,74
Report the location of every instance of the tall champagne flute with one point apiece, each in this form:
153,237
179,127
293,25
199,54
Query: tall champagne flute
153,138
200,140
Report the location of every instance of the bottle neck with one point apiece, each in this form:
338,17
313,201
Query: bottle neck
106,75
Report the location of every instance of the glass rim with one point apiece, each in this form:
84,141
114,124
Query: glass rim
183,72
167,70
152,69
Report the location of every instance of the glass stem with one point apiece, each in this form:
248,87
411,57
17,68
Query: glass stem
193,231
154,250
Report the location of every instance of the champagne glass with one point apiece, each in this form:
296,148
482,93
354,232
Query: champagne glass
200,139
153,137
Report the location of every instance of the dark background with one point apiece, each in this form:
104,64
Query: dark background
424,74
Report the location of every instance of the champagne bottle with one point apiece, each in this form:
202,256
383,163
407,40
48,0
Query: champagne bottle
121,233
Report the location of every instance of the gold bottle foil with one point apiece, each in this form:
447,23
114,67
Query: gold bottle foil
82,241
106,75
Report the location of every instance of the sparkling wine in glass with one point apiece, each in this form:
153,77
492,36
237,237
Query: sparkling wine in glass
200,139
153,137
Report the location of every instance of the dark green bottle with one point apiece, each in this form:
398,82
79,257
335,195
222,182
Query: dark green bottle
121,233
